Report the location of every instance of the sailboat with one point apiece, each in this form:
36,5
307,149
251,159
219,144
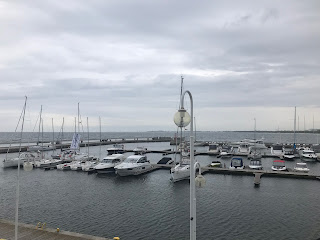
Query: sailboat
18,161
181,170
254,154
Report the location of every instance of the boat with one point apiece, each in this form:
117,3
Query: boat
277,150
301,167
256,143
181,171
244,148
89,165
214,149
255,164
108,163
236,163
133,165
308,155
316,149
278,165
140,150
226,151
215,164
116,149
166,160
254,154
288,153
76,166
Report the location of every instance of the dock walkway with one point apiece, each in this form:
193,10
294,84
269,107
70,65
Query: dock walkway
29,232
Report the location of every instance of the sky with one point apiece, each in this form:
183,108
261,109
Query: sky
123,61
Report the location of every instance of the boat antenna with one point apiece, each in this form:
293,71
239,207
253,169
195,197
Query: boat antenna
100,139
294,130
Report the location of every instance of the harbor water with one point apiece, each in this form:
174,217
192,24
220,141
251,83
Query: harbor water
150,206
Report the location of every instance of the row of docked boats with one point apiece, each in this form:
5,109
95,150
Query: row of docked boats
256,164
253,150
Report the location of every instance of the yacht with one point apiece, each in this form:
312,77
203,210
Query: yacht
244,148
254,154
278,165
116,149
226,151
140,150
301,167
288,153
76,165
214,149
13,162
316,149
108,163
181,171
308,155
215,164
89,166
255,164
133,165
236,163
277,150
256,143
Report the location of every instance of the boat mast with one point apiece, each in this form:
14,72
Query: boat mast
180,144
62,134
294,131
100,139
39,125
53,145
88,134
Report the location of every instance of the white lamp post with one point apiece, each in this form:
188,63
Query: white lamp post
182,119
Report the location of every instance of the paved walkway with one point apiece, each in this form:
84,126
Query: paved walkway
29,232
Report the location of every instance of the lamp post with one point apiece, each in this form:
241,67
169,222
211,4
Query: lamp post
182,119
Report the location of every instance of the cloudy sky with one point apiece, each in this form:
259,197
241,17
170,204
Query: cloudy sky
122,60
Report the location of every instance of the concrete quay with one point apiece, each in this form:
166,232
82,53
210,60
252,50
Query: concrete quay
32,232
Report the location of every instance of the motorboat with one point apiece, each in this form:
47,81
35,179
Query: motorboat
277,150
288,153
133,165
236,163
140,150
308,155
181,171
116,149
301,167
316,149
244,148
254,154
214,149
108,163
215,164
166,160
226,151
255,164
278,165
256,143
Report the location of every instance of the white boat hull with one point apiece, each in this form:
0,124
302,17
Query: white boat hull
133,171
179,173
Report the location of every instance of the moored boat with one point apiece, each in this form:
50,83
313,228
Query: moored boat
236,163
301,167
108,163
133,165
278,165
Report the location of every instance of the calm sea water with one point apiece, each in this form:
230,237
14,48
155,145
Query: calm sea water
151,207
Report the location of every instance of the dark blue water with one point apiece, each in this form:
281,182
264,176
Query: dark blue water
151,207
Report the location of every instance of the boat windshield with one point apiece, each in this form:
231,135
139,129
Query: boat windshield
130,160
107,160
255,162
277,147
212,147
236,163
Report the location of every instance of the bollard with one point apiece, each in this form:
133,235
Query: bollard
116,238
58,229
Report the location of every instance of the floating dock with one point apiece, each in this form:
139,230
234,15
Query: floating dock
32,232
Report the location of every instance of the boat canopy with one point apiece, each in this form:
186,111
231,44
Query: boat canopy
236,162
278,163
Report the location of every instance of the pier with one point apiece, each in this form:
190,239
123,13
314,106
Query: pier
32,232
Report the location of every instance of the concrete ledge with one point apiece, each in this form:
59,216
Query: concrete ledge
28,231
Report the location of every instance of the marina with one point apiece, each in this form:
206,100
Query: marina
94,193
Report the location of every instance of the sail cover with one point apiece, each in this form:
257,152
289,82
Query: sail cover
75,141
